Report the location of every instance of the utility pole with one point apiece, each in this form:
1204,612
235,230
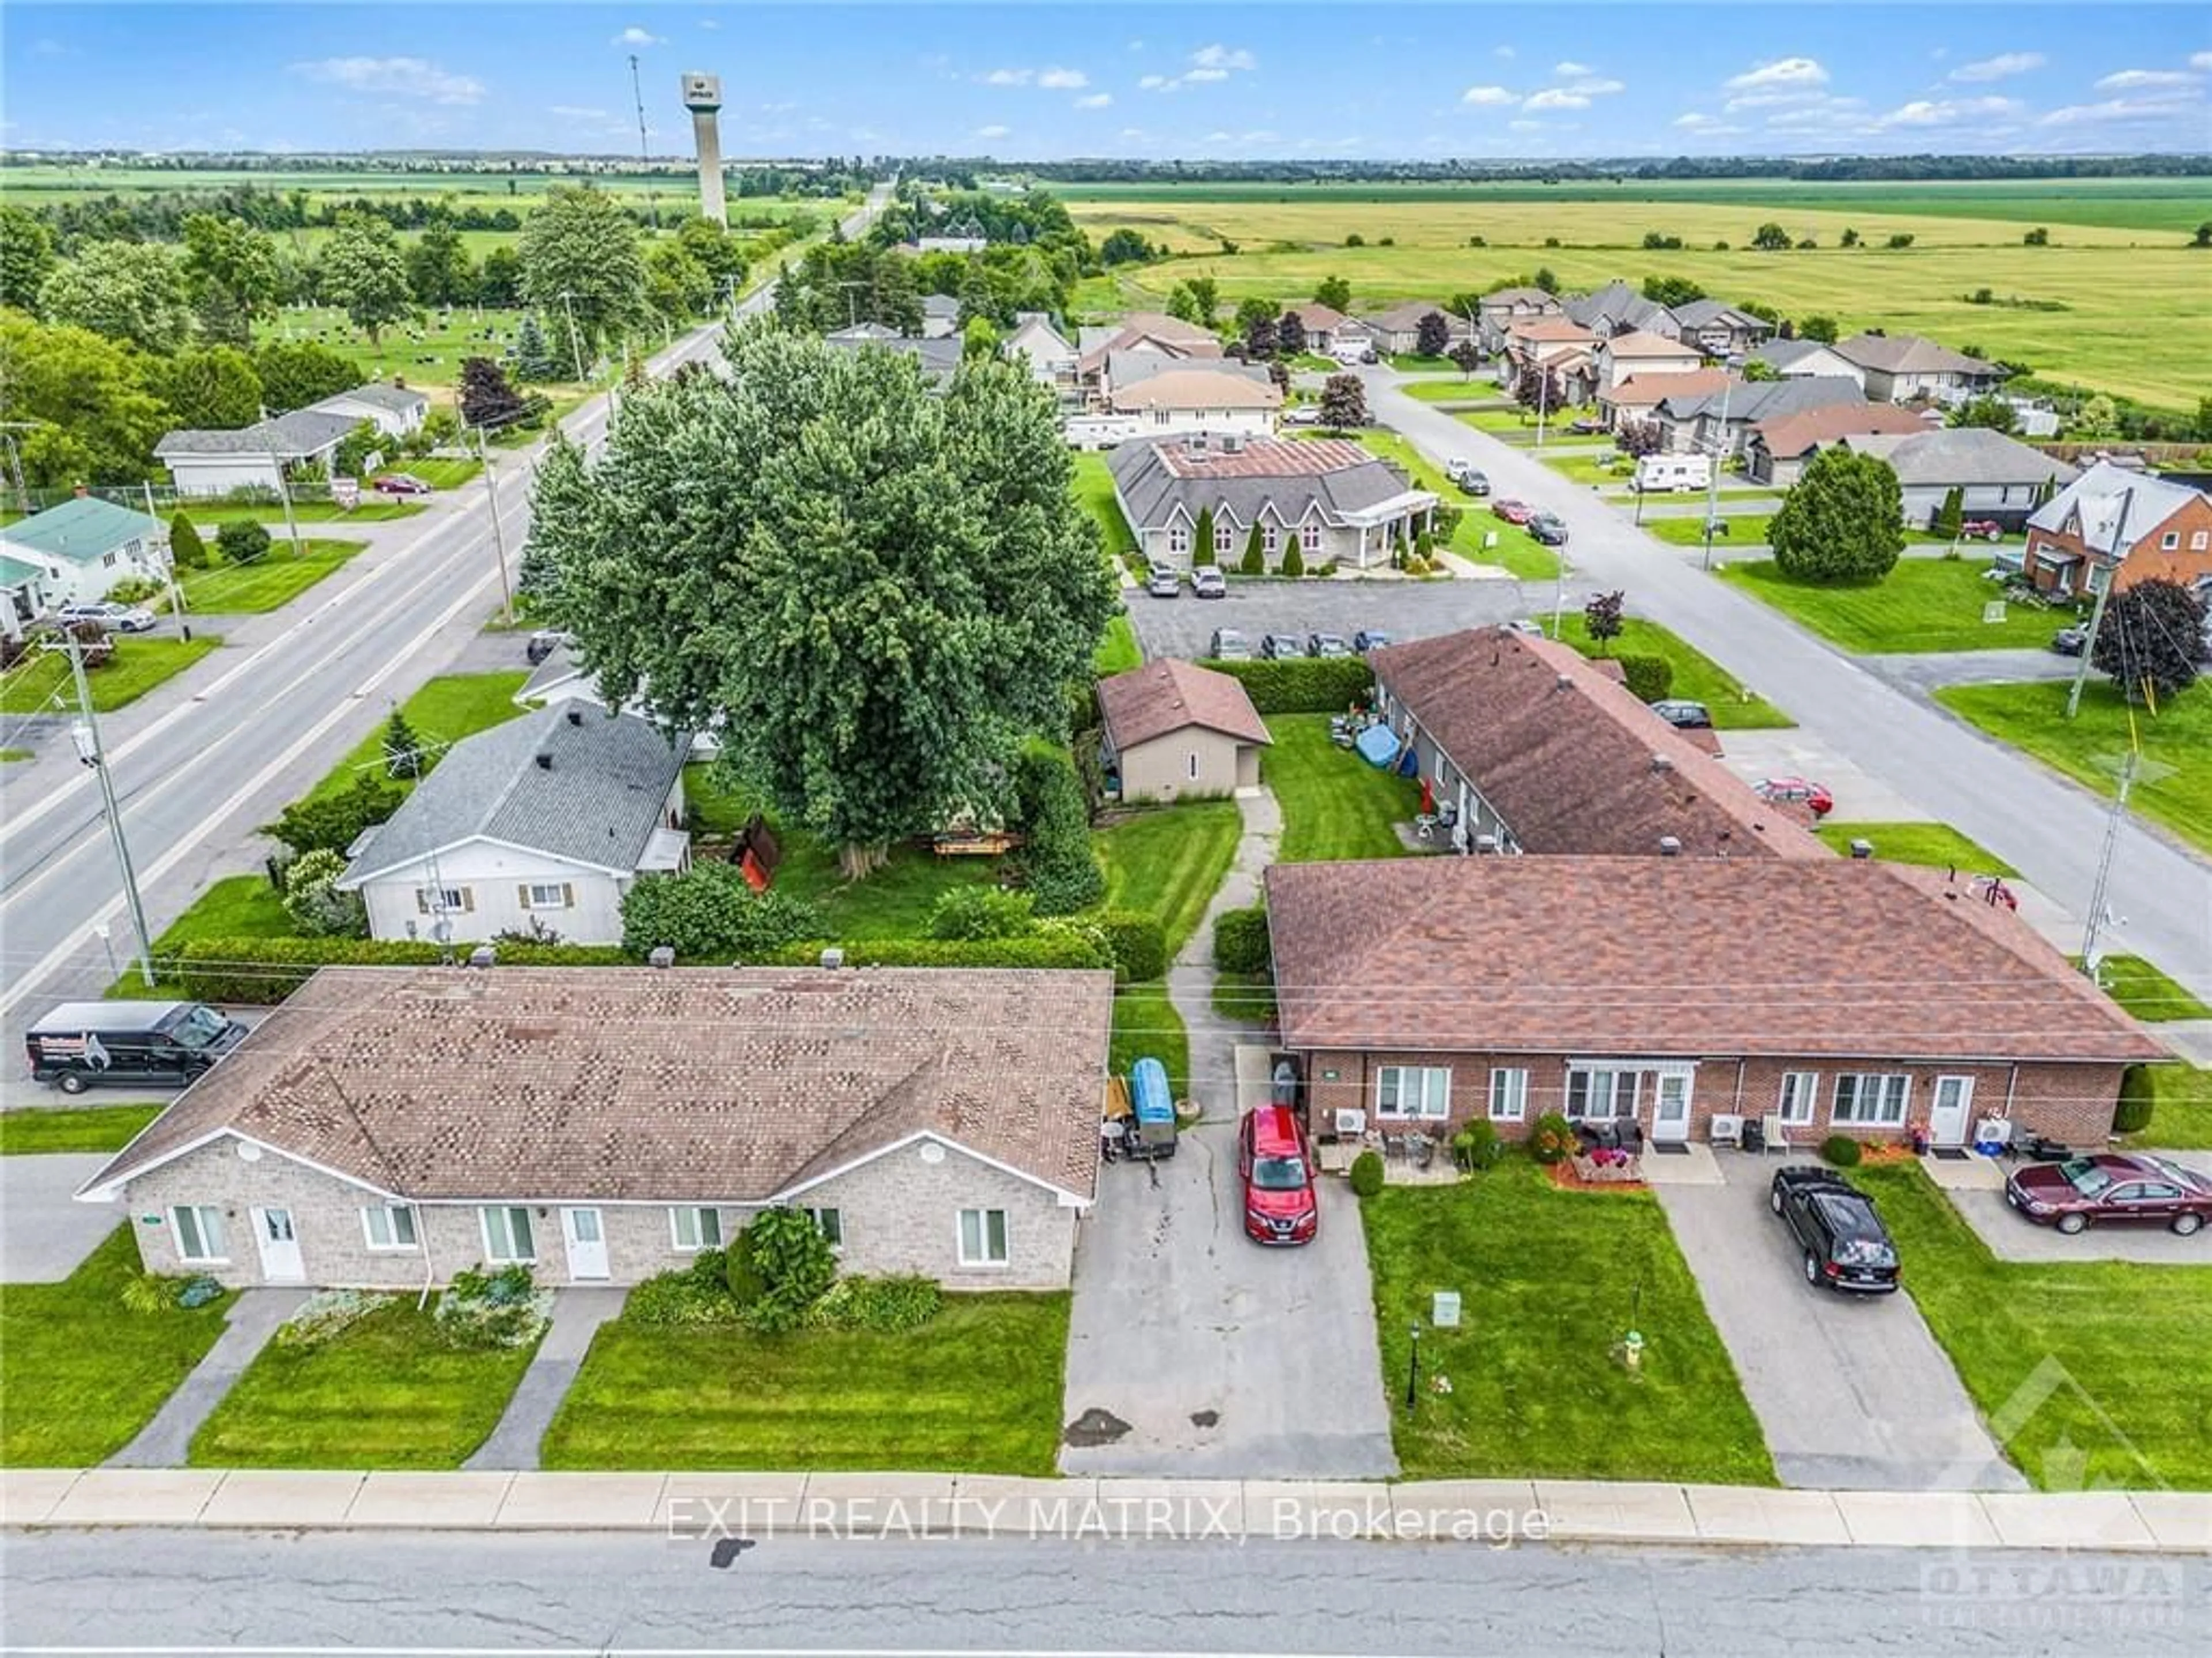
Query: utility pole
644,156
169,570
284,488
2097,613
1543,398
575,340
1713,478
89,752
2097,899
498,534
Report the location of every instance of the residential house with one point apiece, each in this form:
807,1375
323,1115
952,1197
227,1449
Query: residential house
1045,351
395,408
1426,994
941,316
1720,422
1721,331
563,676
1528,748
299,445
1620,355
1800,358
1999,478
1907,369
388,1127
871,333
1320,322
1198,399
2114,524
1343,505
1143,334
1499,313
539,825
1353,339
1638,397
1563,348
1171,729
1617,308
1778,450
938,359
1397,331
74,553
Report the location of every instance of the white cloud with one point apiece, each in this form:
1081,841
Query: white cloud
1010,77
1525,126
634,36
1781,72
1204,75
2004,65
1154,83
398,77
1558,98
2111,110
1598,86
2201,62
1207,64
1709,125
2147,80
1224,58
992,131
1062,79
1095,100
1505,53
1949,111
709,23
1571,70
577,112
1491,96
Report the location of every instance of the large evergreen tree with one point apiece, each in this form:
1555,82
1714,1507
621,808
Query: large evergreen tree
1845,520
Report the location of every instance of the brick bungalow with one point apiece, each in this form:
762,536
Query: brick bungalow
1850,996
2110,518
1172,729
387,1127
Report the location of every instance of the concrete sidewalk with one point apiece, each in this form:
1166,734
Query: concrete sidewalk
577,1315
167,1441
701,1506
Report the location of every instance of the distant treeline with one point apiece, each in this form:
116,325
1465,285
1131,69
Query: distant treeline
1828,170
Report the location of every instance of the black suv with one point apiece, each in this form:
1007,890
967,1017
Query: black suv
1846,1246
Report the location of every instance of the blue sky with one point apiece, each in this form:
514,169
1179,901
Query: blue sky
1049,81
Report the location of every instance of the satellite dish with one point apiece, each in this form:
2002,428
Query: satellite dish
248,1152
932,1151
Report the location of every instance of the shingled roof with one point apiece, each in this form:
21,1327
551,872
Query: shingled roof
1167,695
1333,476
1572,759
1791,435
632,1084
1197,388
1673,956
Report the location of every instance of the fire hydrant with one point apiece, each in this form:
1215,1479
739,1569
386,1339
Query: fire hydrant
1631,1350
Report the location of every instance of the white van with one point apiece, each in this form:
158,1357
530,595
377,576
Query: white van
1659,473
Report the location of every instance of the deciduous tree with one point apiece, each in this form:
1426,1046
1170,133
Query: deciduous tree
27,256
1770,237
439,270
1335,291
365,274
1820,328
1466,358
487,397
230,263
1431,335
90,414
1290,334
215,387
580,258
2151,639
1602,619
1343,401
1843,522
297,374
128,291
1992,413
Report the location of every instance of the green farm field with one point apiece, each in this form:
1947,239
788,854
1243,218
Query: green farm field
2126,268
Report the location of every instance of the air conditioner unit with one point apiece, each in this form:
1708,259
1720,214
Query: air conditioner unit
1351,1123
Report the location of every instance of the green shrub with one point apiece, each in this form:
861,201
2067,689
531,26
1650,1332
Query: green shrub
969,913
1052,945
1554,1138
886,1306
186,550
335,822
709,912
241,542
314,903
1294,558
1477,1147
500,1308
1842,1150
740,1278
794,1260
1240,940
1056,862
262,971
150,1293
1327,684
679,1298
1255,556
2138,1100
1137,943
133,590
1366,1175
1446,518
1650,677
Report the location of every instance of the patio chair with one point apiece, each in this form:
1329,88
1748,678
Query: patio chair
1630,1138
1775,1131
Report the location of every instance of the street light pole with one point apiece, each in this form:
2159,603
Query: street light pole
283,490
2097,612
90,752
1713,477
169,571
575,340
498,534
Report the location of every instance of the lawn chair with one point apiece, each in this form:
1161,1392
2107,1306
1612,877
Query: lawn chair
1775,1132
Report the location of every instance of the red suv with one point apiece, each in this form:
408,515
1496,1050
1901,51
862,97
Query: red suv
1276,1165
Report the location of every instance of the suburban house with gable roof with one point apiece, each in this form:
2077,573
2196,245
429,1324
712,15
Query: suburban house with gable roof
1638,395
1720,330
1044,351
1171,729
1907,368
1620,355
73,553
1398,330
396,409
1999,478
389,1126
1139,332
263,456
1562,347
2114,524
540,824
1617,308
1198,399
1719,423
1845,995
1801,359
1320,322
1342,503
1501,310
1778,450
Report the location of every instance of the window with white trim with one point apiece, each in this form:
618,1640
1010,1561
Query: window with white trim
694,1228
1873,1096
1597,1093
2199,539
1509,1094
982,1237
831,1223
506,1233
1179,539
1271,536
548,894
1160,417
1413,1090
2169,541
440,901
388,1225
1225,538
199,1232
1800,1090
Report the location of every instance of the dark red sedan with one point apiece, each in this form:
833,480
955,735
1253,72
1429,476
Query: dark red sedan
2111,1187
399,483
1512,511
1276,1166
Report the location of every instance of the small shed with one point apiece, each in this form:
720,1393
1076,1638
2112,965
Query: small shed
1171,730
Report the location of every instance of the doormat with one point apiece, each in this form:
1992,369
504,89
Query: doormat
1668,1149
1951,1154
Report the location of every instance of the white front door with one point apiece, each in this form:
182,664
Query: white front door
1947,1117
1670,1112
281,1263
586,1238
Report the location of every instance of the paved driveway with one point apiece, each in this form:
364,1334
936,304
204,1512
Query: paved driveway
1405,609
1853,1394
2012,1238
1226,1360
44,1234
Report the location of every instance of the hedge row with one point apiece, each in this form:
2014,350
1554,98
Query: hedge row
267,970
1137,943
1650,677
1072,947
1240,940
1327,684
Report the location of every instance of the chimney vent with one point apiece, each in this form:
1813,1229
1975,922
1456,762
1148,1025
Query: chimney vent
660,956
832,957
482,955
82,490
545,760
1661,762
1862,849
1670,847
576,717
1563,683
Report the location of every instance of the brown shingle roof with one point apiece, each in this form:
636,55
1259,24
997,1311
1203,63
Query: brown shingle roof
632,1085
1198,388
1548,330
1572,761
1167,695
1790,436
1638,344
1647,391
1262,459
1675,957
1316,317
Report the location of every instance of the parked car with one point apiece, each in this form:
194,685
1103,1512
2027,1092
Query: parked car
1798,790
1276,1167
114,617
544,643
399,483
1981,529
1512,511
1206,581
1523,625
1305,414
1230,645
1163,582
1684,715
1457,468
1281,648
2083,1192
1367,639
1549,529
1327,645
1846,1246
80,1045
1586,426
1472,482
2070,641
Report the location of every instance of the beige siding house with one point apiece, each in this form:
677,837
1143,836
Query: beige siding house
1170,729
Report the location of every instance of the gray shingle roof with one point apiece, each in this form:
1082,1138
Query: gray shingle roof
1764,400
399,399
302,432
1700,313
1909,354
939,358
939,305
1963,455
2119,507
1783,353
598,804
1155,476
1618,303
1127,368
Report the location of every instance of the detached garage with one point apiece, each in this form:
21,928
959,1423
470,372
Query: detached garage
1171,730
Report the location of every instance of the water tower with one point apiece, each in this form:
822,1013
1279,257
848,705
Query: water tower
702,96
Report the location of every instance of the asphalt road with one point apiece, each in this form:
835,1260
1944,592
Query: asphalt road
184,1592
2049,829
222,749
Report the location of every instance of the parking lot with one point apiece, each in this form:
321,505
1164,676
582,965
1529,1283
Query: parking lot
1183,627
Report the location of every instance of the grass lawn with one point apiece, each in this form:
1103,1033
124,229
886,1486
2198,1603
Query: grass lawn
42,684
446,709
1697,676
1515,552
1167,861
2136,984
75,1128
1938,846
2130,1342
1335,805
373,510
235,907
81,1374
1551,1281
1592,467
386,1392
1752,529
1454,390
1094,487
1499,422
442,474
2174,783
1118,652
976,1390
2181,1109
1146,1022
10,756
1411,362
276,578
1247,996
1923,604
